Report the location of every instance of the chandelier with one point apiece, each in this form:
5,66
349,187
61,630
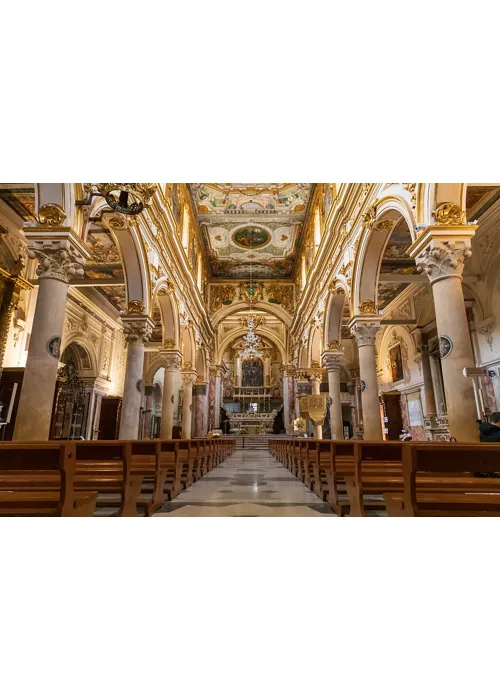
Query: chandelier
251,340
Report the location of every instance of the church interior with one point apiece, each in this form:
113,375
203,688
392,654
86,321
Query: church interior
317,344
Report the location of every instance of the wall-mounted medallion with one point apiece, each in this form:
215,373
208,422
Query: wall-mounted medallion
363,385
138,386
445,346
54,346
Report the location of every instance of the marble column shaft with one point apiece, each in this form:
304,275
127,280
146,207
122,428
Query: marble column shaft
188,379
172,361
132,393
58,262
442,259
333,363
365,332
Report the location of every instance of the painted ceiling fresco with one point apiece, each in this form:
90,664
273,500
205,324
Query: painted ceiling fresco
106,265
20,198
395,261
479,198
251,229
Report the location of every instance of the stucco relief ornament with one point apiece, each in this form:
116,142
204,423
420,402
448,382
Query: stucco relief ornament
442,259
369,217
168,344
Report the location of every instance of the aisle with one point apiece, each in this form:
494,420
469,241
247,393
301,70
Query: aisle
250,483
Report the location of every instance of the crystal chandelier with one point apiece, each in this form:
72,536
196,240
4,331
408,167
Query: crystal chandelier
252,342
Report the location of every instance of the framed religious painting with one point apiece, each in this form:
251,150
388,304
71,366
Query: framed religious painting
396,359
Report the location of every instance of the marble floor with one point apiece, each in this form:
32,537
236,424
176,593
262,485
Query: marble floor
249,483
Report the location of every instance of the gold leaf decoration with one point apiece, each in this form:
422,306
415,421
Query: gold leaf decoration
449,214
368,308
135,308
51,215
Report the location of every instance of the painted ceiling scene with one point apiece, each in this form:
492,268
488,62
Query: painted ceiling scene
251,229
20,198
395,265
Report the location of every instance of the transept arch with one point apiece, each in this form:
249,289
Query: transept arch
274,309
240,332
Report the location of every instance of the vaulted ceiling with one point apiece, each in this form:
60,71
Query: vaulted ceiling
251,229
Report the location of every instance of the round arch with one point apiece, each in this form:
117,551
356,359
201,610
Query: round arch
239,332
81,351
371,247
188,346
169,310
334,311
314,346
273,309
132,252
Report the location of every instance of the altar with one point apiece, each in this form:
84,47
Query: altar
252,423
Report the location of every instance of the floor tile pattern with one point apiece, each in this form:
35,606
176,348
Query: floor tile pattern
249,483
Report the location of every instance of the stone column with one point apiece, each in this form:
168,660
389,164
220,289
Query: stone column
267,368
430,398
199,403
136,330
364,332
218,389
188,379
286,401
172,361
316,383
237,370
332,362
440,252
61,256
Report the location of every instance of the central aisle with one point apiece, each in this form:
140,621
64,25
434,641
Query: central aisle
249,483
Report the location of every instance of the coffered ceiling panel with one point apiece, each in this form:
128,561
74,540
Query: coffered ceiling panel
251,229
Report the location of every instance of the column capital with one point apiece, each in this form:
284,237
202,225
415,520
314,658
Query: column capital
441,251
332,361
60,253
171,360
188,377
137,329
216,371
364,331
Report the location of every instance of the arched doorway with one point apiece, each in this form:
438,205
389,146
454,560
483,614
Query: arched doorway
70,410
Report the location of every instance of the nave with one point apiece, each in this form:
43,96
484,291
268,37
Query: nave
250,483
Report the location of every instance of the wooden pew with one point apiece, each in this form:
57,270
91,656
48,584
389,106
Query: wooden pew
440,479
39,479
